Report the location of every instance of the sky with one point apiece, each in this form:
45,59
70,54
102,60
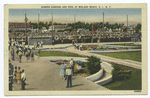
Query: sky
111,15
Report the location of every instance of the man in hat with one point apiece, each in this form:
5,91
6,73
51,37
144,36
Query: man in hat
69,77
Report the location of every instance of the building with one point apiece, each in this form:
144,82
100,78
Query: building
60,27
19,27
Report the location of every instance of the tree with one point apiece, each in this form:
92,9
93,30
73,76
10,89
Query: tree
137,28
125,30
107,25
115,26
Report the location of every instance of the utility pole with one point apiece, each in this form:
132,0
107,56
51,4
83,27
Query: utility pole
39,23
26,42
103,24
127,23
74,23
92,34
52,25
92,28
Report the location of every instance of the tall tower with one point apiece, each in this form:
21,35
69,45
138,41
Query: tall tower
92,28
52,26
103,24
127,22
38,22
26,41
74,23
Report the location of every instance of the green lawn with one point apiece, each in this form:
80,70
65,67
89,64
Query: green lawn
44,54
135,56
133,82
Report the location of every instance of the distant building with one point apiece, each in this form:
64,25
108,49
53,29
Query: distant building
59,27
44,29
19,27
124,27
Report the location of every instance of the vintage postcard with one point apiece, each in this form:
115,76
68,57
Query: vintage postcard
75,49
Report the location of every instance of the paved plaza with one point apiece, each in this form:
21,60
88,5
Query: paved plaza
45,75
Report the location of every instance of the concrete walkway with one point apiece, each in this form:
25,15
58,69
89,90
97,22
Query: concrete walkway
101,43
129,63
44,75
116,51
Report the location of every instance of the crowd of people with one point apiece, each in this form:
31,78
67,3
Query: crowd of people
38,44
20,50
16,75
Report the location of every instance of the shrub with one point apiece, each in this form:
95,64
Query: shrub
104,48
98,47
93,64
89,48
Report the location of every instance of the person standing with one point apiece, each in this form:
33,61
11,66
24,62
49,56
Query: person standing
73,42
16,45
69,77
9,44
18,75
32,55
24,50
34,45
20,54
12,54
11,68
17,51
15,74
63,69
72,67
37,45
41,44
39,53
53,42
23,79
80,46
27,54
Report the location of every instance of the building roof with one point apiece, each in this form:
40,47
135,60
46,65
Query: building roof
62,27
15,25
124,27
